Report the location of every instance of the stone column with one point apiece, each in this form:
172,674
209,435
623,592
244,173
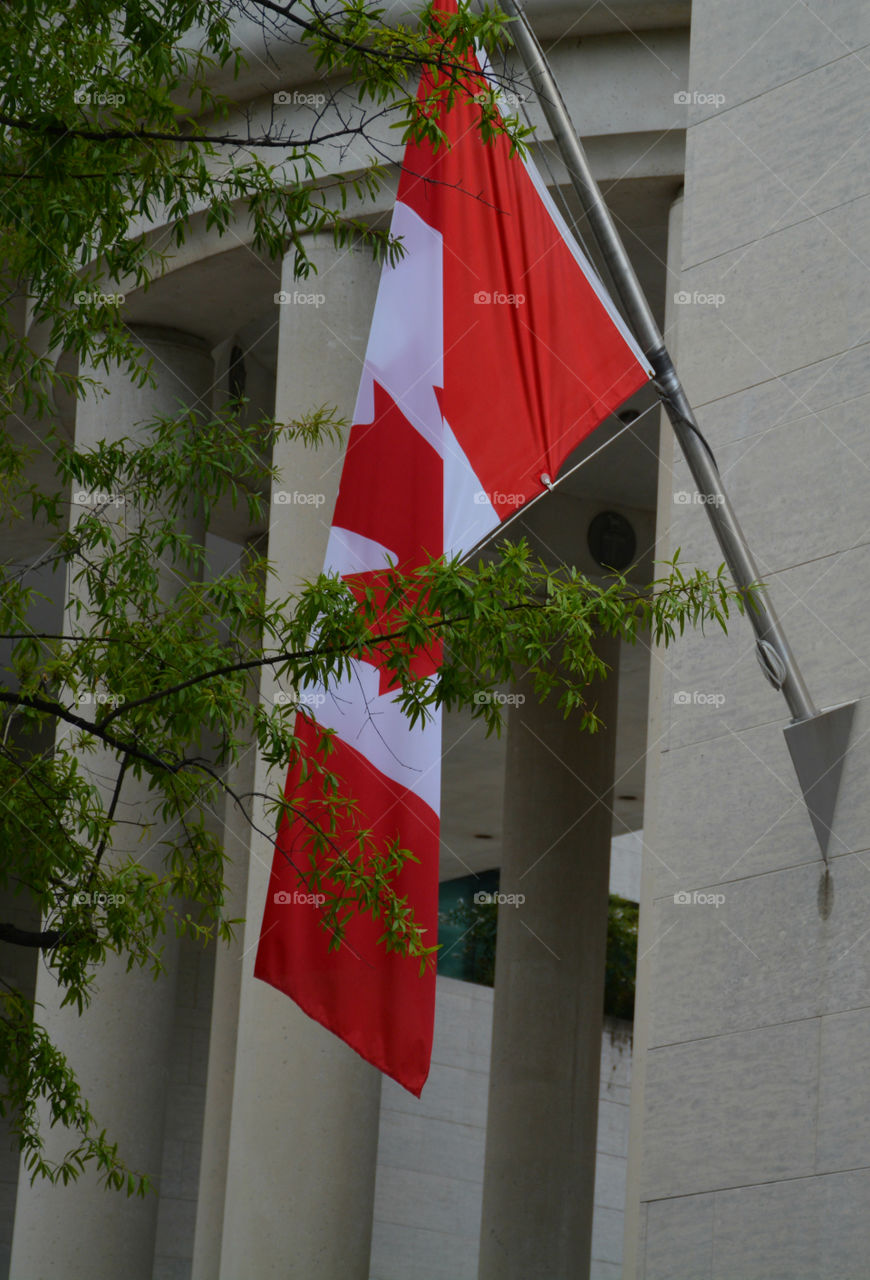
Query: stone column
549,991
291,1112
756,1122
119,1047
656,730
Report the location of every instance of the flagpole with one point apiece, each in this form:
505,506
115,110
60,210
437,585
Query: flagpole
811,751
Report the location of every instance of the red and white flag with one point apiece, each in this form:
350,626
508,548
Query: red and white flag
493,352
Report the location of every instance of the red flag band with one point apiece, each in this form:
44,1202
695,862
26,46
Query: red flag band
493,352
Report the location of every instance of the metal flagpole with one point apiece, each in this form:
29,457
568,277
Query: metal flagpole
817,740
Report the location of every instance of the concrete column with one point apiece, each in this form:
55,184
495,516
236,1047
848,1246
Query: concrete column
659,674
756,1124
222,1044
119,1047
549,992
301,1109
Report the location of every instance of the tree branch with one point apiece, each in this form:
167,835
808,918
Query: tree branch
110,813
60,711
146,135
45,939
435,624
409,59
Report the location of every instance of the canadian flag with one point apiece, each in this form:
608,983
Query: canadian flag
493,352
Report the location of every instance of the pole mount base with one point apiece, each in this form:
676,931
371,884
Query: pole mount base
818,748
